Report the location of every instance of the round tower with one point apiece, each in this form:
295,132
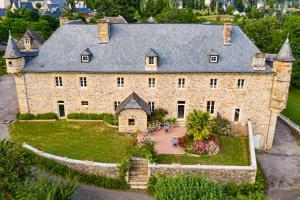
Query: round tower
282,66
15,61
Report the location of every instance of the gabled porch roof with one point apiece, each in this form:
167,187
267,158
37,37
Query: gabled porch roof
133,101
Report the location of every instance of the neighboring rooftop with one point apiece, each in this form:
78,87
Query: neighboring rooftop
133,101
116,20
180,48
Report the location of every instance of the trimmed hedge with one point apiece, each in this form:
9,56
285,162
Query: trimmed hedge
63,170
107,117
29,116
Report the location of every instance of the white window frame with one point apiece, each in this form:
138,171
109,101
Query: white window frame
151,105
213,59
27,40
84,103
58,81
120,82
213,83
240,84
151,60
151,82
181,83
82,82
85,58
210,107
116,104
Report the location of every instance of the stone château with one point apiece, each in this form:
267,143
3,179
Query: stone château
131,69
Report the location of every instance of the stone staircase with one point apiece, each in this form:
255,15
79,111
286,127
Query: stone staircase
138,175
180,122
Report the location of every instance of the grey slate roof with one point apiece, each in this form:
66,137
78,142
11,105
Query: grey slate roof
133,101
35,35
12,50
87,52
151,53
181,48
285,53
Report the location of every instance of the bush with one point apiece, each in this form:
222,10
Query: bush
158,115
45,187
197,125
221,126
29,116
171,121
125,166
107,117
63,170
151,184
187,187
147,151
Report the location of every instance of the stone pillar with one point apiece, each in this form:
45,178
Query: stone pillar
103,30
63,20
22,93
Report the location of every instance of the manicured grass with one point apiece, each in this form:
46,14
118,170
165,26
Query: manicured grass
78,140
234,151
292,110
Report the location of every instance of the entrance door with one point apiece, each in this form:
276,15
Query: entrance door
180,109
61,108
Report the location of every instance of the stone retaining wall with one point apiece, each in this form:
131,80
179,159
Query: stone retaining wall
109,170
292,126
225,174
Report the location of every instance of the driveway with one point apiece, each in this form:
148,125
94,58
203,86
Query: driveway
8,103
281,165
85,192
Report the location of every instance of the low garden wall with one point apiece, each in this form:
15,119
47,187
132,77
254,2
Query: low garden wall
289,123
220,173
109,170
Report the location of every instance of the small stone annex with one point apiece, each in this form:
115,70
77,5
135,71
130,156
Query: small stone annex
131,69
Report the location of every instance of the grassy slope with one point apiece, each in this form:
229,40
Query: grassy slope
292,110
234,151
78,140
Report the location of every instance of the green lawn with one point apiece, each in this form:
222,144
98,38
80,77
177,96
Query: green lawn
234,151
96,141
78,140
292,110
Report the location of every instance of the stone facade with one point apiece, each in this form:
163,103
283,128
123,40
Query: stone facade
220,175
138,115
102,91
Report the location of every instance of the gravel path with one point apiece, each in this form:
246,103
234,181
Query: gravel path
8,103
281,165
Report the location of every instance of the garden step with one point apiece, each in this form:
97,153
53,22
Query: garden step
138,185
139,168
137,173
144,177
180,123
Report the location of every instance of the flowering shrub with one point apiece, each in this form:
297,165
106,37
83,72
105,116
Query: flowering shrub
211,146
183,142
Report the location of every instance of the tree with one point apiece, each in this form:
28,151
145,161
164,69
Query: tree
239,5
38,5
230,9
177,16
197,125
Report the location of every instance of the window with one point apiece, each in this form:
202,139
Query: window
213,83
151,82
151,106
85,58
131,122
120,82
58,81
210,107
82,81
151,60
213,59
116,104
27,41
237,115
9,63
240,83
84,103
181,83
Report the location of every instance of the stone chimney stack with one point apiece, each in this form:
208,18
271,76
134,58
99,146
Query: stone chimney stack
227,34
259,61
103,30
63,20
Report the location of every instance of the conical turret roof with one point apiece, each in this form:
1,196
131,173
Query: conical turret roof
285,53
12,50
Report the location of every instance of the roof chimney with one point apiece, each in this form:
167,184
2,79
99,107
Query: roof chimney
103,30
227,34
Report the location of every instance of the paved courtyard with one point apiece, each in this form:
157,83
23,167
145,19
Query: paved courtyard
163,140
8,103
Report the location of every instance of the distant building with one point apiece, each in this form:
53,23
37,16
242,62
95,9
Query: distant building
19,5
5,3
260,4
116,20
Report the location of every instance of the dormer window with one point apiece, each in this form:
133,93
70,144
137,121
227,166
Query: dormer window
86,56
151,60
213,56
27,41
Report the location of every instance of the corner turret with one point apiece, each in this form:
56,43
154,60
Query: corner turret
15,61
